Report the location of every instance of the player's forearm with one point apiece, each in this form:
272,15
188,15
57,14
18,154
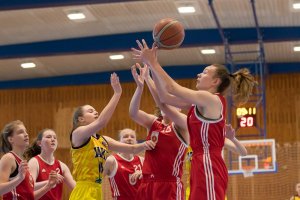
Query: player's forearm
163,78
109,109
153,91
42,191
135,102
239,147
137,148
39,185
9,186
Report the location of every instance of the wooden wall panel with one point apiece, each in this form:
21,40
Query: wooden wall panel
52,107
282,95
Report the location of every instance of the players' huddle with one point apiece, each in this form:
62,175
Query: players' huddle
32,172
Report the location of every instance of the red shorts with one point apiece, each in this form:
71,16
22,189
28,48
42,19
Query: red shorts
209,178
160,190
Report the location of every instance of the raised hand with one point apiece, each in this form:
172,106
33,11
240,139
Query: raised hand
59,178
115,83
139,79
23,168
144,54
230,132
145,71
149,145
53,179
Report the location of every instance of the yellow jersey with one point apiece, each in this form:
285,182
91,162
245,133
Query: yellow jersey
88,160
188,169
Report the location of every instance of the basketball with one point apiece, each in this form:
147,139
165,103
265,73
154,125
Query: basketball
168,33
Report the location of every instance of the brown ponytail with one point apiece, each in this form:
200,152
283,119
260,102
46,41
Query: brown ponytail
242,86
241,82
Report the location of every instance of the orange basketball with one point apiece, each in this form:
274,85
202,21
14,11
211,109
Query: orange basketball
168,33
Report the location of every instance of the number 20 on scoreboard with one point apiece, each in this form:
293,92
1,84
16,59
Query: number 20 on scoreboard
246,117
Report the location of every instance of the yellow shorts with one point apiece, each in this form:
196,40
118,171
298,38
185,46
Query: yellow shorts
86,191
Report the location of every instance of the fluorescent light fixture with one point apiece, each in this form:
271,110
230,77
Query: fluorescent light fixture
208,51
116,57
76,16
28,65
297,48
186,9
296,5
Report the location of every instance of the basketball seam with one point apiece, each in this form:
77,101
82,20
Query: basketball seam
171,36
168,46
163,29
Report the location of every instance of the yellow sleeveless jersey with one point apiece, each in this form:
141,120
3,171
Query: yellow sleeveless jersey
88,160
188,169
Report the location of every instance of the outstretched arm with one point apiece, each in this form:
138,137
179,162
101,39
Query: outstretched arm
148,56
110,166
142,118
173,113
232,143
168,98
82,133
117,146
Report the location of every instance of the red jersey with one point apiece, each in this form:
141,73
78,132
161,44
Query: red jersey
23,191
120,183
43,175
163,166
209,174
166,160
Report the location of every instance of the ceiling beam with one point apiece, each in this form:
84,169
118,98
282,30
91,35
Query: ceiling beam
123,42
29,4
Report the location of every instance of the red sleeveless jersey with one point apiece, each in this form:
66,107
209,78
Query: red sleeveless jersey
23,191
165,162
209,174
121,185
43,175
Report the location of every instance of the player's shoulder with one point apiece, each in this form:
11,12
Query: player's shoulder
110,159
8,157
33,160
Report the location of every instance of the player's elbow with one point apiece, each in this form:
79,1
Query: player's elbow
170,88
132,114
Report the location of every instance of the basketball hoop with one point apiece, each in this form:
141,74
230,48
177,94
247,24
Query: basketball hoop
248,171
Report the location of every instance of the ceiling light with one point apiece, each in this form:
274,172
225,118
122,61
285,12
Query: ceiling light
208,51
297,48
186,9
296,5
28,65
79,14
76,16
116,57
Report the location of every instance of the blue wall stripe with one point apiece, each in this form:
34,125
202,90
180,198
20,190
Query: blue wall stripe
27,4
176,72
123,42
